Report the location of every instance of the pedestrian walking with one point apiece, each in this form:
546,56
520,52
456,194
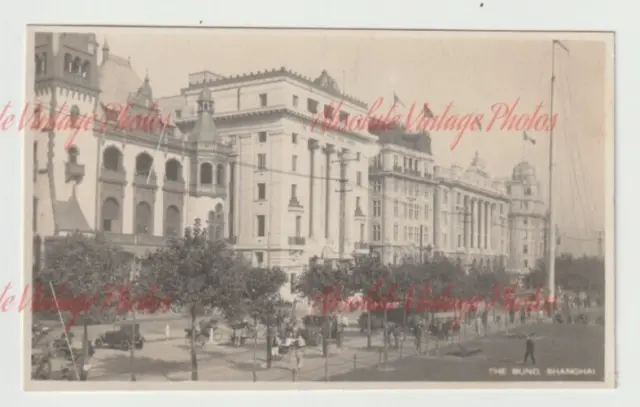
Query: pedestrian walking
529,350
298,349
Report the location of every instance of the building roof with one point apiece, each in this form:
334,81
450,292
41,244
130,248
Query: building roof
523,171
118,80
69,216
324,82
397,135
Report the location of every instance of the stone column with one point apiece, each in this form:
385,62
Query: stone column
465,218
313,146
487,225
328,150
472,223
480,216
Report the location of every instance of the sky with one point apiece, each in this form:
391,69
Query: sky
475,73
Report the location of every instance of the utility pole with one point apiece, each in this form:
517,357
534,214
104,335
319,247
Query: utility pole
421,246
343,160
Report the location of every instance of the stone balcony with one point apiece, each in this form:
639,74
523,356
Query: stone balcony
145,180
297,241
295,205
361,245
113,176
174,186
209,190
74,172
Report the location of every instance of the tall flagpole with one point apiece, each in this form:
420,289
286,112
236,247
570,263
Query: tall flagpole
551,263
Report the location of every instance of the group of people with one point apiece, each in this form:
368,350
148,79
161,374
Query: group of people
289,341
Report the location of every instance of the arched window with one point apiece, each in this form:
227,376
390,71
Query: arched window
172,170
220,175
206,174
172,222
75,67
111,216
38,63
67,63
144,218
144,163
73,154
111,158
85,69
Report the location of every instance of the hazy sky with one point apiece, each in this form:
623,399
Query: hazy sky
473,73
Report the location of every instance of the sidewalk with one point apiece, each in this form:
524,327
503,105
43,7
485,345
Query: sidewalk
354,355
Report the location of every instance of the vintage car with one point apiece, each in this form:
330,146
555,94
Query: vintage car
312,330
120,338
376,322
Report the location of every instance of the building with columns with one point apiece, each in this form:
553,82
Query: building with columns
476,221
128,173
298,185
472,212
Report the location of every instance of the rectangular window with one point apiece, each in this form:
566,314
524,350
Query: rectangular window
377,236
262,161
263,99
395,232
293,282
262,191
362,232
294,163
259,258
294,191
262,137
526,263
294,138
328,111
262,225
376,208
106,225
377,186
298,226
357,202
312,106
295,101
525,249
396,208
445,197
358,178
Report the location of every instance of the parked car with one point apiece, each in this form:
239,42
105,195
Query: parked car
376,322
312,329
120,338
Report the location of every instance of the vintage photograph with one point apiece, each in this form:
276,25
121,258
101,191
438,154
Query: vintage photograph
338,208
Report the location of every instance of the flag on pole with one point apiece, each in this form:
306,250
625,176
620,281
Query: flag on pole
427,112
396,100
527,138
479,123
561,45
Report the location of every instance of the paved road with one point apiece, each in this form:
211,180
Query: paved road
557,346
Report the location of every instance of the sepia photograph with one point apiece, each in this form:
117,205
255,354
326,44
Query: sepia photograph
316,208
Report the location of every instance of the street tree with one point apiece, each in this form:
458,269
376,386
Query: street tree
260,296
194,271
368,278
82,270
327,288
